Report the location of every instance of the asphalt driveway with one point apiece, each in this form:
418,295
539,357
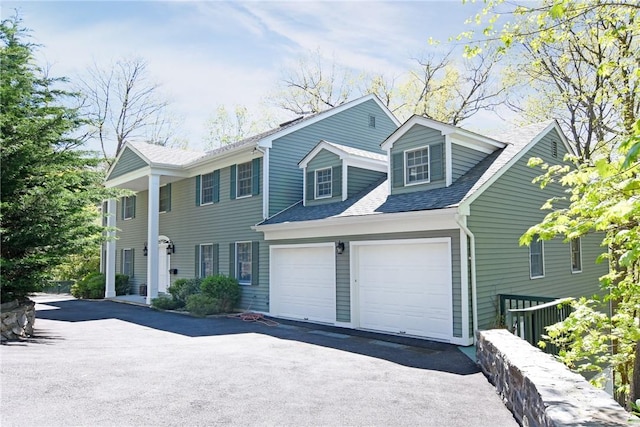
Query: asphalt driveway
103,363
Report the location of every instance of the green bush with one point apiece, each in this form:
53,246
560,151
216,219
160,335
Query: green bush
181,289
202,305
122,284
91,286
164,302
224,289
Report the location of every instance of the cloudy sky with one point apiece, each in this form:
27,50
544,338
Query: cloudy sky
210,53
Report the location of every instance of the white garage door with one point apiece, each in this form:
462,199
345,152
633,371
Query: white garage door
303,282
405,287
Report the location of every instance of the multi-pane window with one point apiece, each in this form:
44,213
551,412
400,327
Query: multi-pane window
417,166
165,198
536,257
576,255
244,180
127,262
128,207
243,262
206,260
323,183
206,189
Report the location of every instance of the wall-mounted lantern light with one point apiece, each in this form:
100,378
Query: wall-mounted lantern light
145,251
339,247
171,248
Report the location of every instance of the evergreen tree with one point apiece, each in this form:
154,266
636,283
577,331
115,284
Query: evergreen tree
49,187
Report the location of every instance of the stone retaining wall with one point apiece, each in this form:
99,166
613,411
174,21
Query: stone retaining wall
541,391
17,319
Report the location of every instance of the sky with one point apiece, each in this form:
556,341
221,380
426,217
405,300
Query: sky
210,53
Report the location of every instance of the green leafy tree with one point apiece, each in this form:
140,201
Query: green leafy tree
49,187
603,196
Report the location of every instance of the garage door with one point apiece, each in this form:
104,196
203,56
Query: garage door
303,282
405,287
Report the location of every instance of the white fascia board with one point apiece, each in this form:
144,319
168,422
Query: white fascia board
349,158
440,219
465,205
364,163
474,145
127,177
225,160
444,129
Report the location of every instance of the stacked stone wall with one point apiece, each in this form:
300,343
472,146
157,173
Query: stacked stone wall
541,391
17,319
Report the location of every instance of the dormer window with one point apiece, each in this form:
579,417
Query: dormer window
416,166
323,183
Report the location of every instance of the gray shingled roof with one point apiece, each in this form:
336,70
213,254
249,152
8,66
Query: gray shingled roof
358,152
166,155
376,199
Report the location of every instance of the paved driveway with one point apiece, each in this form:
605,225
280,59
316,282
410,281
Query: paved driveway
103,363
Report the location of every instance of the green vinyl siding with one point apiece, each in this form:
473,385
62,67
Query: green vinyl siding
132,233
343,279
349,127
463,159
128,162
418,137
358,179
499,216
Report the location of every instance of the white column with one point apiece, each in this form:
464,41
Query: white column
153,231
110,262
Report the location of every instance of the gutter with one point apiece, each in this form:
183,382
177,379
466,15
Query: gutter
462,220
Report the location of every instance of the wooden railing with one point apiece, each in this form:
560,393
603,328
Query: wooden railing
527,316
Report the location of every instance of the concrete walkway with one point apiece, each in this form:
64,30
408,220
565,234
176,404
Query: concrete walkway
102,363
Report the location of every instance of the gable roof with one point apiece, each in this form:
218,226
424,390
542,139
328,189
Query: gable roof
376,199
350,155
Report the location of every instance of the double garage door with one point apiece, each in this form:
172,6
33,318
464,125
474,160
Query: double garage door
400,286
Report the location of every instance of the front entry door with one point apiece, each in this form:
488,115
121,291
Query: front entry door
164,263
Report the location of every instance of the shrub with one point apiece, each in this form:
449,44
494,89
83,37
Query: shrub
181,289
164,302
224,289
202,305
91,286
122,284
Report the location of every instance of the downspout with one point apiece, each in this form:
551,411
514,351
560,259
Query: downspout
461,220
265,181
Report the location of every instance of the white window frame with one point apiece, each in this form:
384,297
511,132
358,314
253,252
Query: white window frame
124,263
200,263
238,196
579,252
237,263
537,240
160,199
202,188
125,202
406,166
316,195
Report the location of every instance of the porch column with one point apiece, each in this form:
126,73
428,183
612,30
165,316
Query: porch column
110,262
152,237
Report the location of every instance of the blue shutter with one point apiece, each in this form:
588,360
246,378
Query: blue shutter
133,214
232,182
232,260
121,208
169,198
198,190
133,263
255,262
397,167
336,181
216,186
197,262
436,162
255,180
216,259
311,186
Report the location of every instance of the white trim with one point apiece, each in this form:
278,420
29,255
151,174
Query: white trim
406,169
472,146
437,219
571,255
444,129
448,171
351,159
273,294
199,272
110,261
467,202
202,187
315,183
345,180
355,278
304,190
153,232
531,276
265,182
462,222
